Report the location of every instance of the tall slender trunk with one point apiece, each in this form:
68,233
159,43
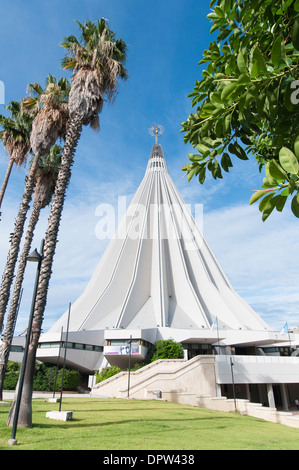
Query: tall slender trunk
6,178
71,140
13,309
12,256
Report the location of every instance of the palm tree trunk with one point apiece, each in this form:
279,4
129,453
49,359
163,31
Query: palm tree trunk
6,178
12,257
25,411
13,309
72,138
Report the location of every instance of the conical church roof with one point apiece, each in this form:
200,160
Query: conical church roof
158,270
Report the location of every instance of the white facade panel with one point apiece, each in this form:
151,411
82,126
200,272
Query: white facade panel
257,369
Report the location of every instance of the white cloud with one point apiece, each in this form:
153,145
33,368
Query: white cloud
260,259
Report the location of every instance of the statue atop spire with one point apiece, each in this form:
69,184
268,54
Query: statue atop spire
156,130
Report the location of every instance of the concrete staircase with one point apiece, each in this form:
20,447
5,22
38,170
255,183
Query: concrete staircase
170,379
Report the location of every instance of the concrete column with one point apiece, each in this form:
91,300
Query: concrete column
270,396
247,392
218,390
284,395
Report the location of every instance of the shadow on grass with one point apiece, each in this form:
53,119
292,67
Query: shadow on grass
77,422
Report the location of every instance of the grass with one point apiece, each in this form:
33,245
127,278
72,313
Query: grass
119,424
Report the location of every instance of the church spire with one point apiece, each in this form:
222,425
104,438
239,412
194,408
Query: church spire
156,130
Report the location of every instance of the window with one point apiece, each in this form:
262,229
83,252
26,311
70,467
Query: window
16,349
68,345
55,344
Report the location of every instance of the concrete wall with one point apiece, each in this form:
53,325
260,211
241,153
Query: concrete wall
171,377
257,369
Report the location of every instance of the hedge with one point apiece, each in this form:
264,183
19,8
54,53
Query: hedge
44,377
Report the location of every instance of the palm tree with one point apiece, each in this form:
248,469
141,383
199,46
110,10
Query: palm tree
46,177
97,62
15,137
51,105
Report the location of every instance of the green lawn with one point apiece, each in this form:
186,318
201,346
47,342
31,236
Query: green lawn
110,424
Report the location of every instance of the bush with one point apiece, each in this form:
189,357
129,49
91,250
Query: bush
71,381
44,377
106,373
167,349
11,375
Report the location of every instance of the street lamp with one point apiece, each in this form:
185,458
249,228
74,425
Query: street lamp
37,258
233,382
130,352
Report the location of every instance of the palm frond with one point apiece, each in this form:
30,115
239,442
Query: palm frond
34,89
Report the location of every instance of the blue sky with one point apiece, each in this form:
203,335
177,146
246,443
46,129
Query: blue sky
165,40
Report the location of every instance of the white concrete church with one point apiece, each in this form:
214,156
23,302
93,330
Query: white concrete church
158,279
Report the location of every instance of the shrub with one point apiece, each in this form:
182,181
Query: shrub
167,349
71,381
106,373
44,377
11,375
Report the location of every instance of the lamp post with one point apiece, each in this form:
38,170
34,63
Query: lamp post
233,382
130,351
64,359
37,258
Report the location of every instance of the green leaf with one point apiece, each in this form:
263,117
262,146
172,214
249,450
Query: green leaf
276,51
194,157
226,162
288,161
227,90
251,94
296,147
268,209
243,79
202,175
202,148
257,195
275,171
254,70
265,201
269,182
212,16
219,128
295,205
280,203
191,173
237,150
260,61
226,123
219,12
216,98
216,170
241,63
295,34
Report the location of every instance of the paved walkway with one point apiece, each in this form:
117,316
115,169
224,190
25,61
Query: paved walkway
9,395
